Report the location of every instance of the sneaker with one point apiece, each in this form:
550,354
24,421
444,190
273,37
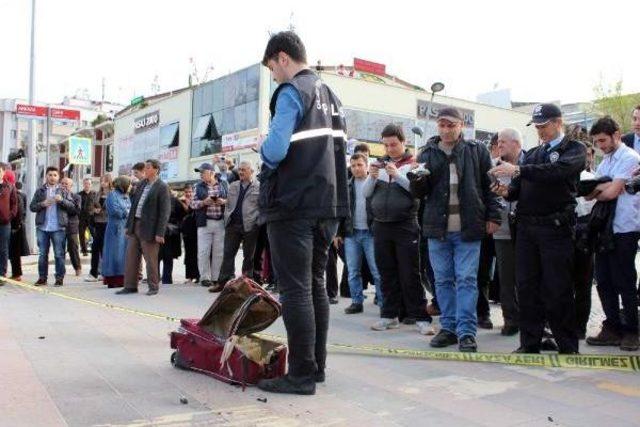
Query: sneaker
41,282
289,385
484,322
425,327
151,292
91,278
353,309
58,283
468,344
333,300
509,330
443,338
384,324
630,342
607,337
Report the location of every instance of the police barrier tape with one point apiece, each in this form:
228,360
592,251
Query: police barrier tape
626,363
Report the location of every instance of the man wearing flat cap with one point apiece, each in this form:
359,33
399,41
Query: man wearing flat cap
459,210
208,205
544,185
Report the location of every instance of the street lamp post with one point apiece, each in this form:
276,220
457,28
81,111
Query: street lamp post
31,151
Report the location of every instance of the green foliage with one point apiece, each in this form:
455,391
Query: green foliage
609,100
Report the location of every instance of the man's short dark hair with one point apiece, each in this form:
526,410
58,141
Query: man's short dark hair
363,147
605,125
637,107
52,169
393,130
154,163
138,166
287,42
359,156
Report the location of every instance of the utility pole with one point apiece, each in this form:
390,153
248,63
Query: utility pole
31,164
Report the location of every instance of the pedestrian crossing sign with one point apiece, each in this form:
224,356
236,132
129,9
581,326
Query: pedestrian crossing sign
79,151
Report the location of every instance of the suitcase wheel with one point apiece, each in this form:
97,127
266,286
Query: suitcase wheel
177,361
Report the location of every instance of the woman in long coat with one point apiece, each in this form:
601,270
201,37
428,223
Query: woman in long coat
117,206
172,246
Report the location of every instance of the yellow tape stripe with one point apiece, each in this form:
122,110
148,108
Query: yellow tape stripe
626,363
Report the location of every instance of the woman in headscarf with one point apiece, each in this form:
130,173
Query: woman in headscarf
117,208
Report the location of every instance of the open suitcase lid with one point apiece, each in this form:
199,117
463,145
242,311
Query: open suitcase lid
242,308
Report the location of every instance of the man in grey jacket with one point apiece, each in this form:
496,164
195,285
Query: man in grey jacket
52,205
241,223
153,203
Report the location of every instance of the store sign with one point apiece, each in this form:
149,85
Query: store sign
79,151
146,122
239,140
64,115
31,111
369,67
429,110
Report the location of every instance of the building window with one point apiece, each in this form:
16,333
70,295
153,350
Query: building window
224,106
170,135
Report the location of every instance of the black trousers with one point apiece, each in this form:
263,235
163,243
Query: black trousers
234,234
398,260
299,253
96,247
333,288
544,269
485,267
83,226
582,282
616,280
74,252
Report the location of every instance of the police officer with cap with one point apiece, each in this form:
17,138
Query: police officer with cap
544,185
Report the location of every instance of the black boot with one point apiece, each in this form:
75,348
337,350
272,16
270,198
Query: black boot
289,385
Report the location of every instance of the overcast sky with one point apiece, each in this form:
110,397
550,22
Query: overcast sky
541,50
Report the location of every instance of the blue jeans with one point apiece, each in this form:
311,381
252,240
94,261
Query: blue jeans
358,243
5,236
455,266
44,241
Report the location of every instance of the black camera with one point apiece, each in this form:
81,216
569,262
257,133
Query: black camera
632,186
415,175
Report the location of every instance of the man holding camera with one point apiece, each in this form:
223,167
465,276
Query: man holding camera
545,186
458,177
209,204
615,269
395,236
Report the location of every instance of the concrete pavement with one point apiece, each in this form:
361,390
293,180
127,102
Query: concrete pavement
68,363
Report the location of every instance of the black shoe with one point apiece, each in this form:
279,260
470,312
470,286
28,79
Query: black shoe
443,339
152,292
408,321
319,377
58,283
484,322
509,330
606,337
548,344
630,342
206,283
353,308
125,291
468,344
333,300
289,385
41,282
524,350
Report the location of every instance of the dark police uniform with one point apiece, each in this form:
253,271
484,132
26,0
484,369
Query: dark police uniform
302,201
546,191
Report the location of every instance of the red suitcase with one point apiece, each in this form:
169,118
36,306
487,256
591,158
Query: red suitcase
220,343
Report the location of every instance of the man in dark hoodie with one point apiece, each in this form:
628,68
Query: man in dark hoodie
395,236
456,177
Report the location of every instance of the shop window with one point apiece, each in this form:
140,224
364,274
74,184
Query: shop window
170,135
203,128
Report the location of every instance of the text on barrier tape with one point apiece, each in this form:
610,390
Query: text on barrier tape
627,363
